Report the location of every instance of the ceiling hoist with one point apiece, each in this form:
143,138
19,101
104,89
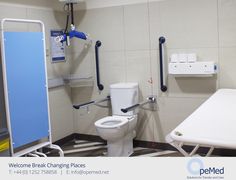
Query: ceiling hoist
71,32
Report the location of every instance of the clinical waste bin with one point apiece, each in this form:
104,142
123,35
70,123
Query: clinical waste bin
4,143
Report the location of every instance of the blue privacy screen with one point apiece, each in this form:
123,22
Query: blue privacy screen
27,91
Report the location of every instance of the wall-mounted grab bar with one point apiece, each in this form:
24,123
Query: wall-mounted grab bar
130,108
162,40
97,45
150,99
91,103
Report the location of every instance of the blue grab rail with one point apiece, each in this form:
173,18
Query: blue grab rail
163,87
99,85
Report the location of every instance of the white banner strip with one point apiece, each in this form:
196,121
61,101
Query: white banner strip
118,168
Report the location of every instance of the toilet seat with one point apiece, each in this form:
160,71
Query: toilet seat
110,122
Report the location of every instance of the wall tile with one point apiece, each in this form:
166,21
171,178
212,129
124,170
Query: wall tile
138,70
227,67
13,12
227,29
182,23
155,70
136,27
61,113
82,64
145,128
155,24
105,24
112,69
201,23
167,19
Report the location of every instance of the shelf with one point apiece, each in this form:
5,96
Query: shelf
78,81
55,82
202,69
71,80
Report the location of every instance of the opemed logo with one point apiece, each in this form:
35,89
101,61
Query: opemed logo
196,167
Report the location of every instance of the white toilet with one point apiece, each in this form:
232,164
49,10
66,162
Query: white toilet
119,129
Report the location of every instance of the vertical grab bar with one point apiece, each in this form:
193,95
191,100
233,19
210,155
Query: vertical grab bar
161,53
99,85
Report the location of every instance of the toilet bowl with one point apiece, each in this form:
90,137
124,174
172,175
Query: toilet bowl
119,132
112,128
119,129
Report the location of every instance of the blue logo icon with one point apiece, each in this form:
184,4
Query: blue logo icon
194,166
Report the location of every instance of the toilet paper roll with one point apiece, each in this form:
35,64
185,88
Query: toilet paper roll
192,58
183,58
174,58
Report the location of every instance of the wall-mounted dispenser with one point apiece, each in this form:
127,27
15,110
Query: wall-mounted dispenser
187,65
190,69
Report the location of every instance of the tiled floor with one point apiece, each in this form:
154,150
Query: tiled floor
81,148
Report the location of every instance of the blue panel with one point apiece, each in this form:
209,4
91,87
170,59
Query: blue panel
27,90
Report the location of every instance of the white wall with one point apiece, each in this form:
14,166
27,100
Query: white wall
60,101
50,4
130,33
92,4
83,4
